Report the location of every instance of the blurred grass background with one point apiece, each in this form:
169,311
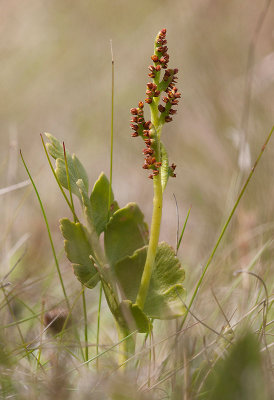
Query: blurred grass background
55,76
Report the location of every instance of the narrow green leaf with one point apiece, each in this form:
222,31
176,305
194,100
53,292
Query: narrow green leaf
78,250
75,168
99,199
165,291
125,233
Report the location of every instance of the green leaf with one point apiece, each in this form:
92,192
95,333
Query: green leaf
86,205
125,233
75,168
164,167
134,317
78,250
99,199
164,299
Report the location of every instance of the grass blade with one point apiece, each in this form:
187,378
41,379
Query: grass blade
49,233
183,230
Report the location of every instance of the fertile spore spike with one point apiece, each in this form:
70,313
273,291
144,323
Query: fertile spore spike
166,85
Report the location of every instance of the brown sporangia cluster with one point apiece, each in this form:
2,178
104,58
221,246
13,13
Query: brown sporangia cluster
151,92
145,129
161,57
139,126
170,100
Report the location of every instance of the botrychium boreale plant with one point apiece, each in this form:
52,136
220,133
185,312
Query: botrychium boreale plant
141,278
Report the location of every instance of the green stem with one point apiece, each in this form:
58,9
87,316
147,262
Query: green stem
112,127
41,333
154,112
153,241
126,346
85,321
98,325
157,210
109,198
183,230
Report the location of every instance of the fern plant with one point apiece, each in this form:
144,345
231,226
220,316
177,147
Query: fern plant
141,278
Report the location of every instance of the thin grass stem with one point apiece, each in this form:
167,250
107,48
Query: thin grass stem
109,198
85,321
98,325
49,233
41,333
183,230
112,126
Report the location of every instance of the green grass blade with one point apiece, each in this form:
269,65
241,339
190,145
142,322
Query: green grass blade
85,322
183,230
98,325
49,233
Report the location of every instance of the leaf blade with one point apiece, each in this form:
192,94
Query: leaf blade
78,251
166,290
99,200
125,233
75,168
